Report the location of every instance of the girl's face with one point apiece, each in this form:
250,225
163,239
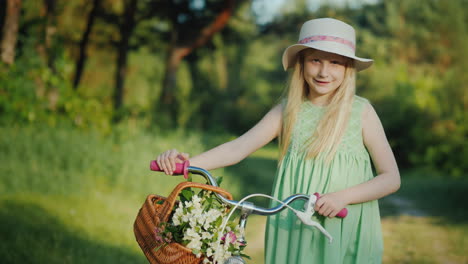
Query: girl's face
324,72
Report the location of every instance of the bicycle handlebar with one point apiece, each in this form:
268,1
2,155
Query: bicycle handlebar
181,168
185,168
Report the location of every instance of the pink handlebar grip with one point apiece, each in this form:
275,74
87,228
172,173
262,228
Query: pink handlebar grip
341,214
181,168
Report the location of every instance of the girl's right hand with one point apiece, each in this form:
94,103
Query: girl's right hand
168,159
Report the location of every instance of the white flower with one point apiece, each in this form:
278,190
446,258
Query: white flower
195,244
212,215
197,212
209,252
185,218
221,255
206,235
179,210
196,201
176,221
193,222
190,233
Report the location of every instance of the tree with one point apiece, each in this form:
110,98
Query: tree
82,55
126,28
125,23
190,30
10,31
50,30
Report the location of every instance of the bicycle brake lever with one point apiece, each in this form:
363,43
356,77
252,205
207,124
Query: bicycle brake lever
306,219
306,216
309,206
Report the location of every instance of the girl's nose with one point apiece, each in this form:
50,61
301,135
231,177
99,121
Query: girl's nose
323,72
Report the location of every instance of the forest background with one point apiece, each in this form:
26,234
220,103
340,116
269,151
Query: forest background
90,91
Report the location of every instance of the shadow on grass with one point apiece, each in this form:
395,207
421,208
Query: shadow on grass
438,197
31,235
256,175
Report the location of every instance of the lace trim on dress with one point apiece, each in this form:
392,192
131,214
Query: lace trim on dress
307,121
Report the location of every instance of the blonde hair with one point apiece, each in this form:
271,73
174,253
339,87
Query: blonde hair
331,127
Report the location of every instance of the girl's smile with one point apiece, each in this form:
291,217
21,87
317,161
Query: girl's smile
320,82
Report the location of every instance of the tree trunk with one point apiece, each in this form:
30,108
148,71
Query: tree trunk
10,31
49,34
177,53
126,30
174,57
82,56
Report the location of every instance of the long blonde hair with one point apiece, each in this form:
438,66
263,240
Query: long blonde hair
330,129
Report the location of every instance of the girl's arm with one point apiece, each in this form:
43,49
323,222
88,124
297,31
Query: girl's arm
387,180
233,151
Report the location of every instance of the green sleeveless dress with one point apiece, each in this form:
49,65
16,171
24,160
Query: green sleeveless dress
356,238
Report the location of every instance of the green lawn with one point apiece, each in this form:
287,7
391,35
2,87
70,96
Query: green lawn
71,196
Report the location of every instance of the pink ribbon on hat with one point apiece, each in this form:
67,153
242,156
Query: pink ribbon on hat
328,38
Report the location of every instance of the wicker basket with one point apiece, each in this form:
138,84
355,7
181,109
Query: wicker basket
152,213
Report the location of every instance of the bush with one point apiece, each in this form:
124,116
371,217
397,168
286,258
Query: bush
31,92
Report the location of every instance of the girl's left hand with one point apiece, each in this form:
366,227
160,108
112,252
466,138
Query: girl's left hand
330,204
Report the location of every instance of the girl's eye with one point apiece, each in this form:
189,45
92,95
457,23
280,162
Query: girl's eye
337,62
314,60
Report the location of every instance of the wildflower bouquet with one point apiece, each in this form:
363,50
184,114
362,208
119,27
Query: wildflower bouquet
197,222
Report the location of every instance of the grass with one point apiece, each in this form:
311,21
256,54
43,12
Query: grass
66,230
431,226
410,239
71,196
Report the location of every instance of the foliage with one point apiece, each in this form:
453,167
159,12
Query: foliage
32,92
417,88
417,83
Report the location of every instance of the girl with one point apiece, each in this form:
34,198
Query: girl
326,134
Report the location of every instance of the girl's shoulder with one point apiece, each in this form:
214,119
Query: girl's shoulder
361,100
360,103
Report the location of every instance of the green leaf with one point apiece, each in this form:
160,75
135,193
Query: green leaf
160,246
219,180
219,221
209,203
231,247
245,256
186,195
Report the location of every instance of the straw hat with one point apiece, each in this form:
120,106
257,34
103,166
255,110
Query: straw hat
326,34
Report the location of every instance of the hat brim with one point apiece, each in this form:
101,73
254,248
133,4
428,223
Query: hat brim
290,56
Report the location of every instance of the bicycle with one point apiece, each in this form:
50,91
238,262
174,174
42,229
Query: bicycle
248,208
